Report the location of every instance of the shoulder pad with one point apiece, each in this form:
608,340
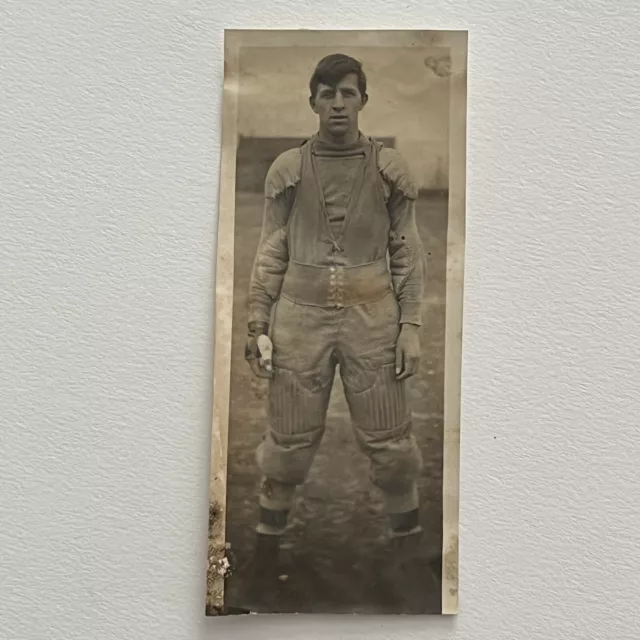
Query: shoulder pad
395,170
283,173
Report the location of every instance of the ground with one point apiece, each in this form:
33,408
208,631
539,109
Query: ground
337,536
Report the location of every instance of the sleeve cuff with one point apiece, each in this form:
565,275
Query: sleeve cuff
259,316
258,328
410,313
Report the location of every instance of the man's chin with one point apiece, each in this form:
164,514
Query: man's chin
338,128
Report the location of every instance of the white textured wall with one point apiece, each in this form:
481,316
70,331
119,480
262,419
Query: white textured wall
109,147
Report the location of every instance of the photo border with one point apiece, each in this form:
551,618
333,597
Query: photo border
234,40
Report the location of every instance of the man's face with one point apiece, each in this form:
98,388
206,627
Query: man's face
338,107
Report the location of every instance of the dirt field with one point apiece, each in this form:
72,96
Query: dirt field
337,536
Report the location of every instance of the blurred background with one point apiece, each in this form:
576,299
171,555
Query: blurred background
408,107
336,542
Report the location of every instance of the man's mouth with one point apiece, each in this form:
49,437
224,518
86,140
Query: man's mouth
339,118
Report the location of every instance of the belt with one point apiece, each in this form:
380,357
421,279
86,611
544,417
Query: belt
336,286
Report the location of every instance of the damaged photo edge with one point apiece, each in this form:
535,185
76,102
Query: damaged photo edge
217,561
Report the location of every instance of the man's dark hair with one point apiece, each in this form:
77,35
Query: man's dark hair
331,69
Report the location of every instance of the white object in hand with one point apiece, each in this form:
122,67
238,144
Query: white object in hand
266,350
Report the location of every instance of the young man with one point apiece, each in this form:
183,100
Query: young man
340,267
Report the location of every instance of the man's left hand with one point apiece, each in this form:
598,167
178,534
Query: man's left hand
407,351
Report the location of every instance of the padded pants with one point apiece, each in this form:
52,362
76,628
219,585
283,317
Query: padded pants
309,342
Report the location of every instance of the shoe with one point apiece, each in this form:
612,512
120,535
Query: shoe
259,576
404,581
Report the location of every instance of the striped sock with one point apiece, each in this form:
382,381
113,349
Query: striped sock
276,500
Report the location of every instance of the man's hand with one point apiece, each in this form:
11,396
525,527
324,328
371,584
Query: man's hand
407,351
258,350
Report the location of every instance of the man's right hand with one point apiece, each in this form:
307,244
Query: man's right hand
259,349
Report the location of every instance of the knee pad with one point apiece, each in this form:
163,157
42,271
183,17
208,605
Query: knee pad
298,401
287,458
377,400
382,423
297,410
395,462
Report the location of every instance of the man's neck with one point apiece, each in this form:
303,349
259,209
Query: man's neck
347,139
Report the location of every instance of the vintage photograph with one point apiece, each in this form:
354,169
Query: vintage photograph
338,322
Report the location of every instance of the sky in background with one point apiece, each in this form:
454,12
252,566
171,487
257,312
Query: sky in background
407,100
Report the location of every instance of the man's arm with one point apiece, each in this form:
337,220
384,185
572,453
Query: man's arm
270,264
406,260
406,253
272,255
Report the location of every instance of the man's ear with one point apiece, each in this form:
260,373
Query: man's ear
365,99
312,103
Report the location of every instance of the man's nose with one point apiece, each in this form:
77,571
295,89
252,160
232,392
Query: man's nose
338,102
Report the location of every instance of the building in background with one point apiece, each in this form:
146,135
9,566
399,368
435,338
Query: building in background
280,116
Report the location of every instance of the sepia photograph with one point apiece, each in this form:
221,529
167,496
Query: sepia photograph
339,285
